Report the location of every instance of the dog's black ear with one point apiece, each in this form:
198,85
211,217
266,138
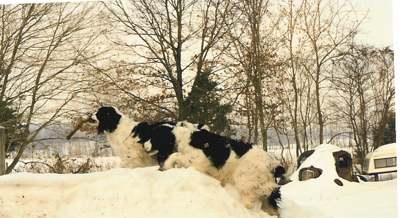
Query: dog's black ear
279,171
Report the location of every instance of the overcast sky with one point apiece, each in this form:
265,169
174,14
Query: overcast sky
376,30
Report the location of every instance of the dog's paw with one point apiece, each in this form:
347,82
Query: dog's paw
177,164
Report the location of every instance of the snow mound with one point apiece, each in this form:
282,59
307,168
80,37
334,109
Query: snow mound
323,159
352,200
323,198
140,192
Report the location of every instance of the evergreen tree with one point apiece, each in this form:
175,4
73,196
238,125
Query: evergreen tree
8,120
389,133
7,114
203,105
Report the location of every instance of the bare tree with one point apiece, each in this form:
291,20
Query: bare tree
255,48
328,27
383,91
174,38
254,12
41,47
292,15
364,84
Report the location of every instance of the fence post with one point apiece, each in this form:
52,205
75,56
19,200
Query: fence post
3,141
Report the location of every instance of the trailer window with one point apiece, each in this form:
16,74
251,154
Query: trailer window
385,162
391,162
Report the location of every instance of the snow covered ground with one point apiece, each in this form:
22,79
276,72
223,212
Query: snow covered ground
352,200
176,193
147,192
141,192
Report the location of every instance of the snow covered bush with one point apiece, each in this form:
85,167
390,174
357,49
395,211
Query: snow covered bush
66,164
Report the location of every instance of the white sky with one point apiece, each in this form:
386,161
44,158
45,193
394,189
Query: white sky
376,30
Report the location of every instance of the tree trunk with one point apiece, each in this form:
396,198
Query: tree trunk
3,141
319,111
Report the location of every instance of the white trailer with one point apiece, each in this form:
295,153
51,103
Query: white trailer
381,160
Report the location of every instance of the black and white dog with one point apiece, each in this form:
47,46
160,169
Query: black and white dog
251,170
138,144
118,131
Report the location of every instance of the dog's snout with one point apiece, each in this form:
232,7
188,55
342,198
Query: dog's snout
91,120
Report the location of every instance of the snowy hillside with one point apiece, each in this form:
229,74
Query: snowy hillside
141,192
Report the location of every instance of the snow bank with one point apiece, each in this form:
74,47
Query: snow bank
141,192
322,158
323,198
352,200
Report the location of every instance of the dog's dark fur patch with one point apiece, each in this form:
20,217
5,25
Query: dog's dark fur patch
108,119
215,147
274,198
279,171
239,147
144,130
164,142
200,125
161,138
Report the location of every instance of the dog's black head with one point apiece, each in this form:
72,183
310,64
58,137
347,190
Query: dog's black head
108,119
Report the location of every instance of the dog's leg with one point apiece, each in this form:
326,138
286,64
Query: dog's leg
175,160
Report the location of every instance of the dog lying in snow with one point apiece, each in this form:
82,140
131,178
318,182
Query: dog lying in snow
138,144
252,171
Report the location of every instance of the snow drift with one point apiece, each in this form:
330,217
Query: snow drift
140,192
149,193
322,197
311,199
